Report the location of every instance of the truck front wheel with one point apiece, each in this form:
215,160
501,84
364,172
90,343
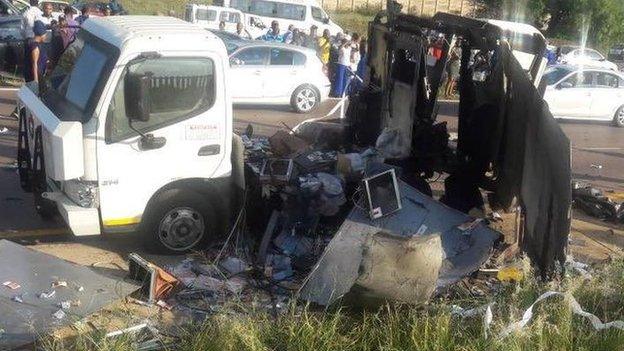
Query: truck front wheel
177,222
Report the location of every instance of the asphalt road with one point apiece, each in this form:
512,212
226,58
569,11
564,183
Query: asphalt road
592,144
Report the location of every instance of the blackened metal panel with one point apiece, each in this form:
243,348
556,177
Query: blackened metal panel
535,141
35,272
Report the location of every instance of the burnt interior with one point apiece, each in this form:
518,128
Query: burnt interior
508,144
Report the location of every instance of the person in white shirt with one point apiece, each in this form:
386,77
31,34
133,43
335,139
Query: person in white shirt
47,17
32,14
342,68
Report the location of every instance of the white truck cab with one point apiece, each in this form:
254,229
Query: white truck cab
133,130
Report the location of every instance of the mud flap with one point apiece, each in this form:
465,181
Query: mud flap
38,181
24,165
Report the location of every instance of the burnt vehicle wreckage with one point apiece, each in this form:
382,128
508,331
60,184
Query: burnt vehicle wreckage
367,174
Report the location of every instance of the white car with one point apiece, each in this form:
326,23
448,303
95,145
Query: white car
576,56
585,94
277,74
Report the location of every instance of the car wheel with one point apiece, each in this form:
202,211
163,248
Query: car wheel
305,99
177,222
618,120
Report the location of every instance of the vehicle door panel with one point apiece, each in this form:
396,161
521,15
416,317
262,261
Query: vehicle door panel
285,72
247,73
607,96
574,101
189,111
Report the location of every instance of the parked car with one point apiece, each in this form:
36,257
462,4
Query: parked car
585,94
300,13
577,56
616,53
11,37
279,74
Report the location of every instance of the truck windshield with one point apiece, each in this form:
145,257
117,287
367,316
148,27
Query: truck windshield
74,86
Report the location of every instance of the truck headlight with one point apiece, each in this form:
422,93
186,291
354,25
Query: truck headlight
83,193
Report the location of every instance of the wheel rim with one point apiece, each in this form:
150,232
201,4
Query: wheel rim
620,116
181,229
306,99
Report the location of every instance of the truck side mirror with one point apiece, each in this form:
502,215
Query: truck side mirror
565,85
137,96
326,20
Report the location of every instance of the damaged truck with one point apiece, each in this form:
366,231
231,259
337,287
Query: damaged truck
133,129
508,149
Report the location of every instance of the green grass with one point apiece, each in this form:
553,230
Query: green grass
394,328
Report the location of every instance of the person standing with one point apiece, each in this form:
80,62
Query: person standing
289,35
452,70
311,40
324,45
86,12
32,14
273,34
241,32
46,17
355,51
342,68
334,53
68,32
361,66
36,58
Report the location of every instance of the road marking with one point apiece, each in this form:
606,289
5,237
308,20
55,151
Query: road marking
16,234
598,148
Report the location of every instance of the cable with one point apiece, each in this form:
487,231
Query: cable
234,228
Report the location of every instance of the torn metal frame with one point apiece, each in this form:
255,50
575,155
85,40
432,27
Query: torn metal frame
508,142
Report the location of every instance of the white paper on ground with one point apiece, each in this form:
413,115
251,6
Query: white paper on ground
576,308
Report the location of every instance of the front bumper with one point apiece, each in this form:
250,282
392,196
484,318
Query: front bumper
82,221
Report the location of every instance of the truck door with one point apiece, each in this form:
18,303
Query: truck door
190,118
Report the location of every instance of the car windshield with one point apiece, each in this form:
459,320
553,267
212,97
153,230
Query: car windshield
554,75
231,40
74,86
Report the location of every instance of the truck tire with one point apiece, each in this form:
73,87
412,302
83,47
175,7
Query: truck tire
177,221
618,120
305,99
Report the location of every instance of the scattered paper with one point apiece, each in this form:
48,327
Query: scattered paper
47,294
59,284
517,326
11,285
60,314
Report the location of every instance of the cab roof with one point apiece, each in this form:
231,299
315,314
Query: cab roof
117,30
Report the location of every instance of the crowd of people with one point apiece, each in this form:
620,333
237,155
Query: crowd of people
343,57
47,37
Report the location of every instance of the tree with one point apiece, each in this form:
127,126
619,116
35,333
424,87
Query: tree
598,23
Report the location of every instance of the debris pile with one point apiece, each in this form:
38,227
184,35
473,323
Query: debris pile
596,203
